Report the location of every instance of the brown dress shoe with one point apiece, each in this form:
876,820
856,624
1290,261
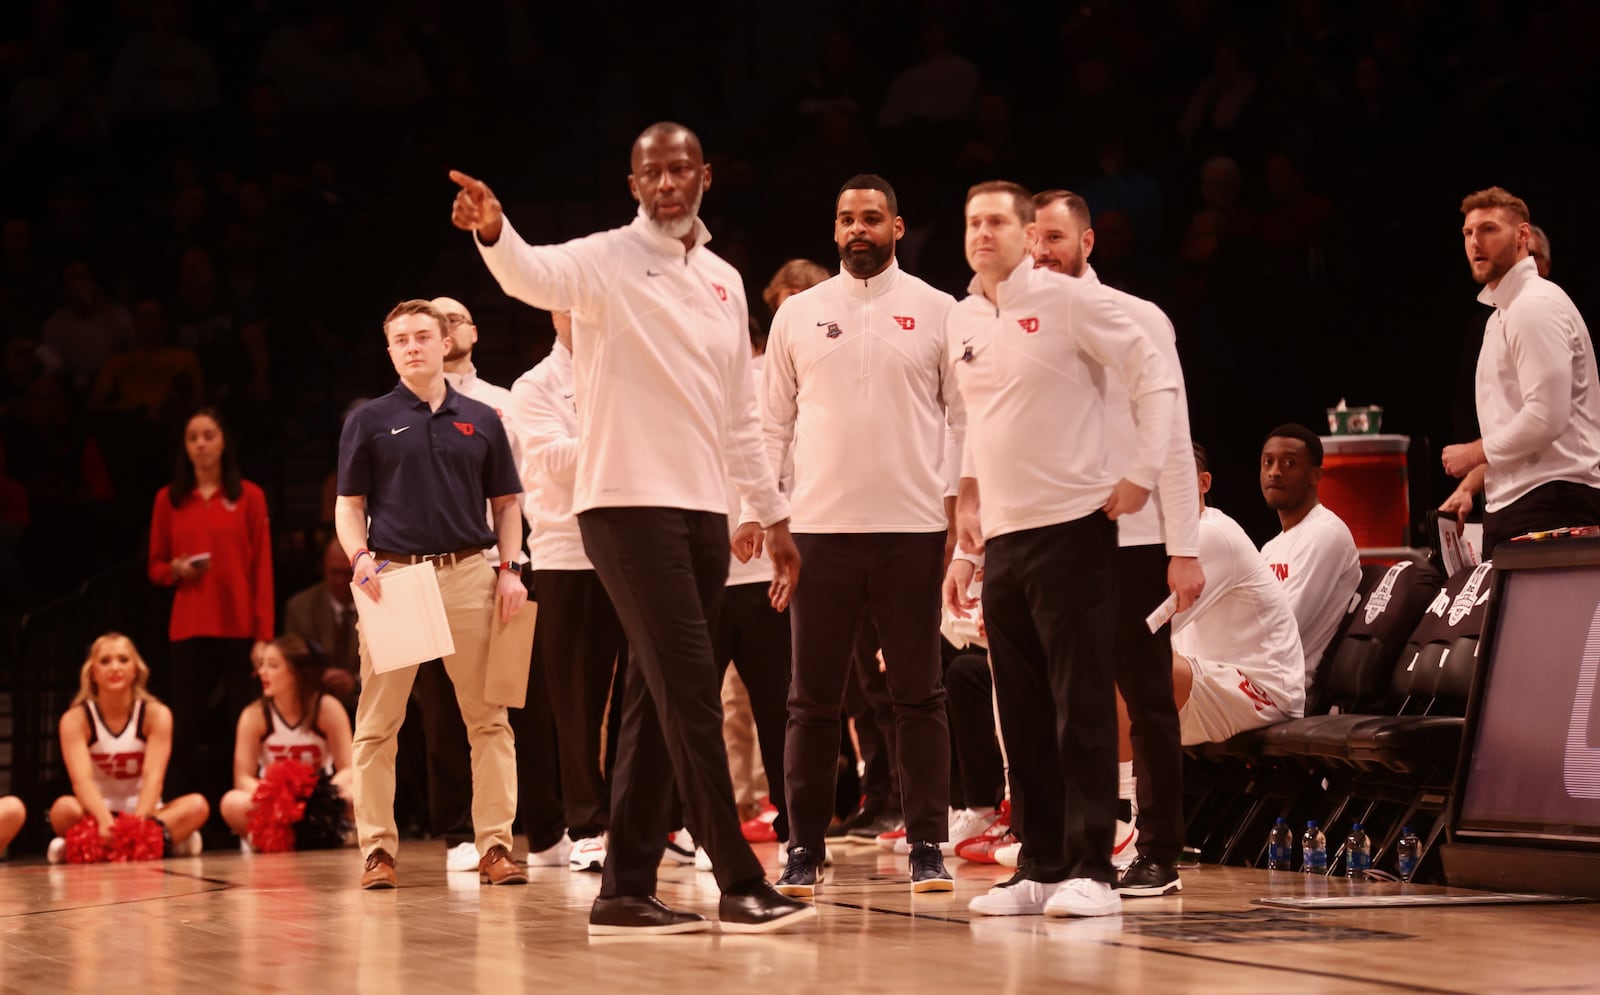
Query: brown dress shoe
380,871
497,867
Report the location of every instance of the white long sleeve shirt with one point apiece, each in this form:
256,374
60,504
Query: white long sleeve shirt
1320,569
1243,618
544,417
1172,515
759,569
1032,368
498,398
858,389
661,367
1537,397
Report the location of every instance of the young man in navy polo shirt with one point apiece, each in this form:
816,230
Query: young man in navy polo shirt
415,468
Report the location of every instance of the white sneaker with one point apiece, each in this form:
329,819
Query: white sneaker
1124,851
1025,898
1084,897
1008,856
966,823
680,848
552,856
587,854
461,857
702,860
56,852
190,846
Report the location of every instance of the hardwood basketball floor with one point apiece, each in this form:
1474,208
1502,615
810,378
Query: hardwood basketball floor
227,922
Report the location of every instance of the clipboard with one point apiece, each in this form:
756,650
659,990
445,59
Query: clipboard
505,675
409,625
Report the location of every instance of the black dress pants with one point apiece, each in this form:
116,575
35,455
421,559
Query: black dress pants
665,571
972,731
894,578
580,647
755,638
1049,601
1144,676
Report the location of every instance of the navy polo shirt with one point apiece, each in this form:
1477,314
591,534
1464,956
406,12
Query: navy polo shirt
426,474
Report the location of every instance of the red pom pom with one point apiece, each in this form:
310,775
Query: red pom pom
278,803
133,838
83,842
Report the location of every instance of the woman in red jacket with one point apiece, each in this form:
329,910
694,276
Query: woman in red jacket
209,538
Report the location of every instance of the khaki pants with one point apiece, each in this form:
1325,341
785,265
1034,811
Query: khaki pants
468,591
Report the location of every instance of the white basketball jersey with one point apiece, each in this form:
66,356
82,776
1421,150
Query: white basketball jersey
118,758
303,742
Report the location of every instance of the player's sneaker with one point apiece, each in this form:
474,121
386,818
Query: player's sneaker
680,848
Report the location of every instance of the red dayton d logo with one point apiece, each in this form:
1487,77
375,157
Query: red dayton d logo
722,292
465,427
1029,325
906,323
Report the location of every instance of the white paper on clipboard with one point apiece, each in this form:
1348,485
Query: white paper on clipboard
409,625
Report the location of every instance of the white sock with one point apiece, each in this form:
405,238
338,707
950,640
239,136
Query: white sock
1125,788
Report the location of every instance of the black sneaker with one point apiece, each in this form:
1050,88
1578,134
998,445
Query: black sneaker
1147,878
927,869
868,832
859,817
802,876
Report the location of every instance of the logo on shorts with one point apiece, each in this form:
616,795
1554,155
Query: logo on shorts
1029,325
834,331
465,427
1385,591
722,292
906,323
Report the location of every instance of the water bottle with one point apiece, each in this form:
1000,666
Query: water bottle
1357,853
1280,843
1408,853
1313,850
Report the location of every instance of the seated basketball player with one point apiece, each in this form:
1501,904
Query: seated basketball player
292,720
116,740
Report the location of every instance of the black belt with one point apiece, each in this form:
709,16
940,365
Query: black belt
437,559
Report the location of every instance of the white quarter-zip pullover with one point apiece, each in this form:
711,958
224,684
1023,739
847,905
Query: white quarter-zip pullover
469,383
1537,398
1032,368
545,442
661,367
759,569
1172,515
858,390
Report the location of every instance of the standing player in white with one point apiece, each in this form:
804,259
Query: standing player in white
1315,555
857,389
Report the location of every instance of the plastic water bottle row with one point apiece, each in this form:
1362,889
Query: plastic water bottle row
1357,849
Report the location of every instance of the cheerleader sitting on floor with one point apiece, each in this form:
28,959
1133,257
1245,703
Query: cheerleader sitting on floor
292,720
116,740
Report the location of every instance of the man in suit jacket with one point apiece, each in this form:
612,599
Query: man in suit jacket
324,616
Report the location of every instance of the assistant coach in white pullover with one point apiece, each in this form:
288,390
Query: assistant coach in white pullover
666,414
1032,351
1538,462
857,390
578,643
1157,551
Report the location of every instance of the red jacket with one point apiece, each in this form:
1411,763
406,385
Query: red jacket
233,599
